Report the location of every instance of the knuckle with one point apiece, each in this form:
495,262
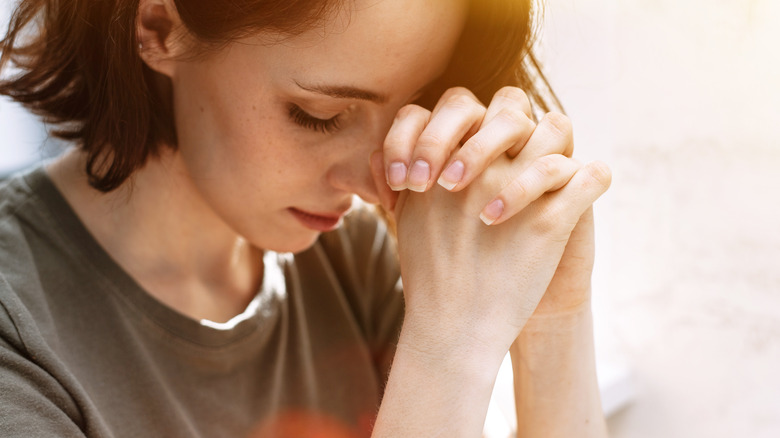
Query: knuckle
547,165
553,219
514,116
475,147
461,101
600,175
560,124
456,91
411,111
513,94
430,140
547,220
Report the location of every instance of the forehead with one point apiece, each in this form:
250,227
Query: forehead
378,44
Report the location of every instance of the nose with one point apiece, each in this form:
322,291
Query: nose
355,177
351,173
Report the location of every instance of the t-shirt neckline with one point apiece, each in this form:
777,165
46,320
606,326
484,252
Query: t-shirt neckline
205,333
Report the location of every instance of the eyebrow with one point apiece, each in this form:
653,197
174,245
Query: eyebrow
344,92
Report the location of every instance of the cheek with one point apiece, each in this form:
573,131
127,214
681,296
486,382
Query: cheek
218,129
238,139
212,124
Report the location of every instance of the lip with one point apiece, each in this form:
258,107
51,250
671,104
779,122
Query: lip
319,221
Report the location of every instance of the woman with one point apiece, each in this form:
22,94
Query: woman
191,267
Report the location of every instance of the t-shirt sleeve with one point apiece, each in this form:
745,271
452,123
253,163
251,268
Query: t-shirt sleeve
32,402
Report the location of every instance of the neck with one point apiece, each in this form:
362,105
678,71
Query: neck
159,229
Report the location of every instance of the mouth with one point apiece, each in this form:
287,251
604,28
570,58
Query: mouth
319,221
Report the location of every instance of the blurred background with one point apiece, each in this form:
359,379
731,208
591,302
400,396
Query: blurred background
682,99
23,139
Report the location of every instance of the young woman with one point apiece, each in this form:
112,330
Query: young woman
197,265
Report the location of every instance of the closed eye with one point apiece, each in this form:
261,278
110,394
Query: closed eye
306,120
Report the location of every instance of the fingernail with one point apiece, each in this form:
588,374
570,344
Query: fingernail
396,176
452,175
419,176
492,212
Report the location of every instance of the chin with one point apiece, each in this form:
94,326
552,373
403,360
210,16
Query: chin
293,244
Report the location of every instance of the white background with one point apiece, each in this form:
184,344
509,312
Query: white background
682,99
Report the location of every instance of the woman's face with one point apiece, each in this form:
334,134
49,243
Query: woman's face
276,138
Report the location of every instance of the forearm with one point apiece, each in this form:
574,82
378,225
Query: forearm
437,393
556,390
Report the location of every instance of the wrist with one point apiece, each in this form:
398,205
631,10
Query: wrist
452,348
557,337
546,316
554,368
436,389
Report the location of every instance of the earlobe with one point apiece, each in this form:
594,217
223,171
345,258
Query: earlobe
156,23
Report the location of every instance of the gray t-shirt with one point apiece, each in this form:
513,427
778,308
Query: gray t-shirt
85,351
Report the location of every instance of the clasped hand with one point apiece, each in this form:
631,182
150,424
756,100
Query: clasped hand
496,212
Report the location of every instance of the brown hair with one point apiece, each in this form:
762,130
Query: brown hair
79,67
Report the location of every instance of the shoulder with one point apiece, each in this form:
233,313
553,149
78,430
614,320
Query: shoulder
28,376
20,212
15,196
25,222
23,208
31,252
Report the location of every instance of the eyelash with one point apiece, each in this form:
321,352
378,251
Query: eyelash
302,118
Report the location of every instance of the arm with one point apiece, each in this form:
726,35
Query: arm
470,285
32,401
444,394
460,323
553,358
554,369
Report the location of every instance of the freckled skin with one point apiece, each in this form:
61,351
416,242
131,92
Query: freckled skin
198,218
246,159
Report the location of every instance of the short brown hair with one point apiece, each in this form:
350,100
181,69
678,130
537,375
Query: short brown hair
79,66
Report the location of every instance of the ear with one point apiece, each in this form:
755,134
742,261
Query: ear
157,28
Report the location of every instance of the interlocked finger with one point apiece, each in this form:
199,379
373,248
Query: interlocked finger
457,116
553,135
557,213
507,122
546,174
508,127
508,97
584,188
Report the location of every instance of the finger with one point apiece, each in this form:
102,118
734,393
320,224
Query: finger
387,197
560,211
508,97
409,123
452,93
508,127
547,174
507,122
585,187
458,114
553,135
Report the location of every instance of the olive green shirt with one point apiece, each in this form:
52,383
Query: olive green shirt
85,351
